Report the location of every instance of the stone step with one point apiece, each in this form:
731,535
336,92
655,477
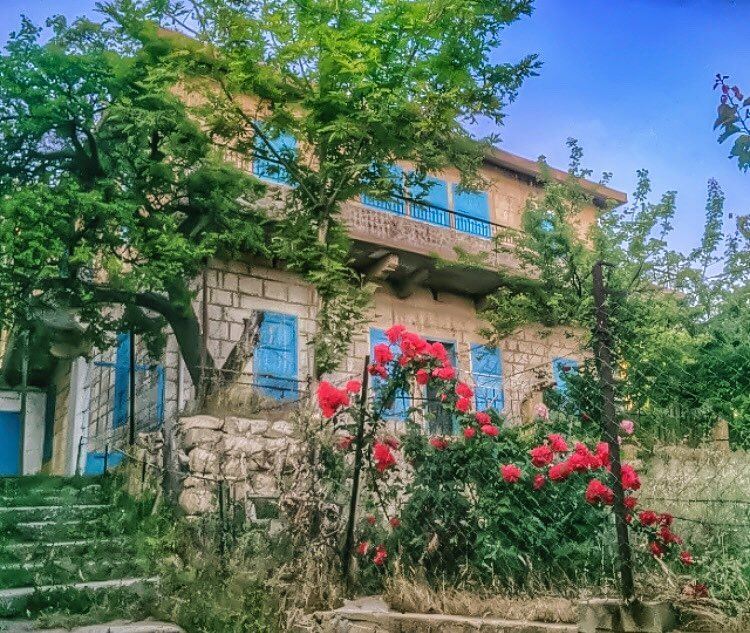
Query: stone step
51,531
14,601
61,571
119,626
81,549
51,511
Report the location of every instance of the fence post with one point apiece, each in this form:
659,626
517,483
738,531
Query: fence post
603,354
349,542
131,390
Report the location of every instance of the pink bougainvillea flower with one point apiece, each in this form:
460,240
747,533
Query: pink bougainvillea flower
557,443
362,548
657,551
630,479
380,555
438,350
463,404
583,459
602,453
393,333
378,370
510,473
648,517
412,344
383,457
542,412
331,399
391,441
382,353
559,472
463,390
541,456
631,502
627,427
490,429
469,432
438,443
395,522
371,519
686,558
666,519
597,492
354,386
483,417
539,481
345,442
666,535
444,373
422,376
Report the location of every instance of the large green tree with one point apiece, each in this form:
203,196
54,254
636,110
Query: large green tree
111,195
115,191
676,336
360,84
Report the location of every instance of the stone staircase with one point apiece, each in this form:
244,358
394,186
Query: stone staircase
61,541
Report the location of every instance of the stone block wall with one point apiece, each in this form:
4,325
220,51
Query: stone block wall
249,455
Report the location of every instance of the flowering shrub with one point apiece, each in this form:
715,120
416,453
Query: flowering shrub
521,504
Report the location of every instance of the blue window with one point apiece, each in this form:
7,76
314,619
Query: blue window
95,462
121,404
401,401
122,380
561,369
265,163
441,422
487,371
472,211
431,202
393,205
275,360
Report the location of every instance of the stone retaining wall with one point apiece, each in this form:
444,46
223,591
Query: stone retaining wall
250,455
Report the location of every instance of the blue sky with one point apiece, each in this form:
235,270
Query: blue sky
631,79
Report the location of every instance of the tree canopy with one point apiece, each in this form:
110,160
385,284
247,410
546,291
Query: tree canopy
118,140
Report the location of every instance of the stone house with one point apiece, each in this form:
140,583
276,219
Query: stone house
400,244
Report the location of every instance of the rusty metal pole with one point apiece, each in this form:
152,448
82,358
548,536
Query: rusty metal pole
603,353
359,441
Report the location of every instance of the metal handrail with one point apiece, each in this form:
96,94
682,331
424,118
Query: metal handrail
409,204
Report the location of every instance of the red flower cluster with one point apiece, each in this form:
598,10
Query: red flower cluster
597,492
510,473
380,555
331,399
383,457
661,539
438,443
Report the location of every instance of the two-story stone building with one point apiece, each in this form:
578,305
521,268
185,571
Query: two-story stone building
401,244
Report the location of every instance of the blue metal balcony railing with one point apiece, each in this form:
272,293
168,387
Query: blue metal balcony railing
269,168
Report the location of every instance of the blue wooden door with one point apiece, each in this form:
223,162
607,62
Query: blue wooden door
472,211
487,371
275,361
10,443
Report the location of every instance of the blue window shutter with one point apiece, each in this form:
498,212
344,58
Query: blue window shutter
265,165
561,367
435,193
275,360
487,371
122,380
476,205
159,394
393,205
402,401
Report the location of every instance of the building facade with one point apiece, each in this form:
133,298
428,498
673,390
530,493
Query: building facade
401,244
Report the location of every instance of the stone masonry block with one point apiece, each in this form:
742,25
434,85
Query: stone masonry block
599,616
